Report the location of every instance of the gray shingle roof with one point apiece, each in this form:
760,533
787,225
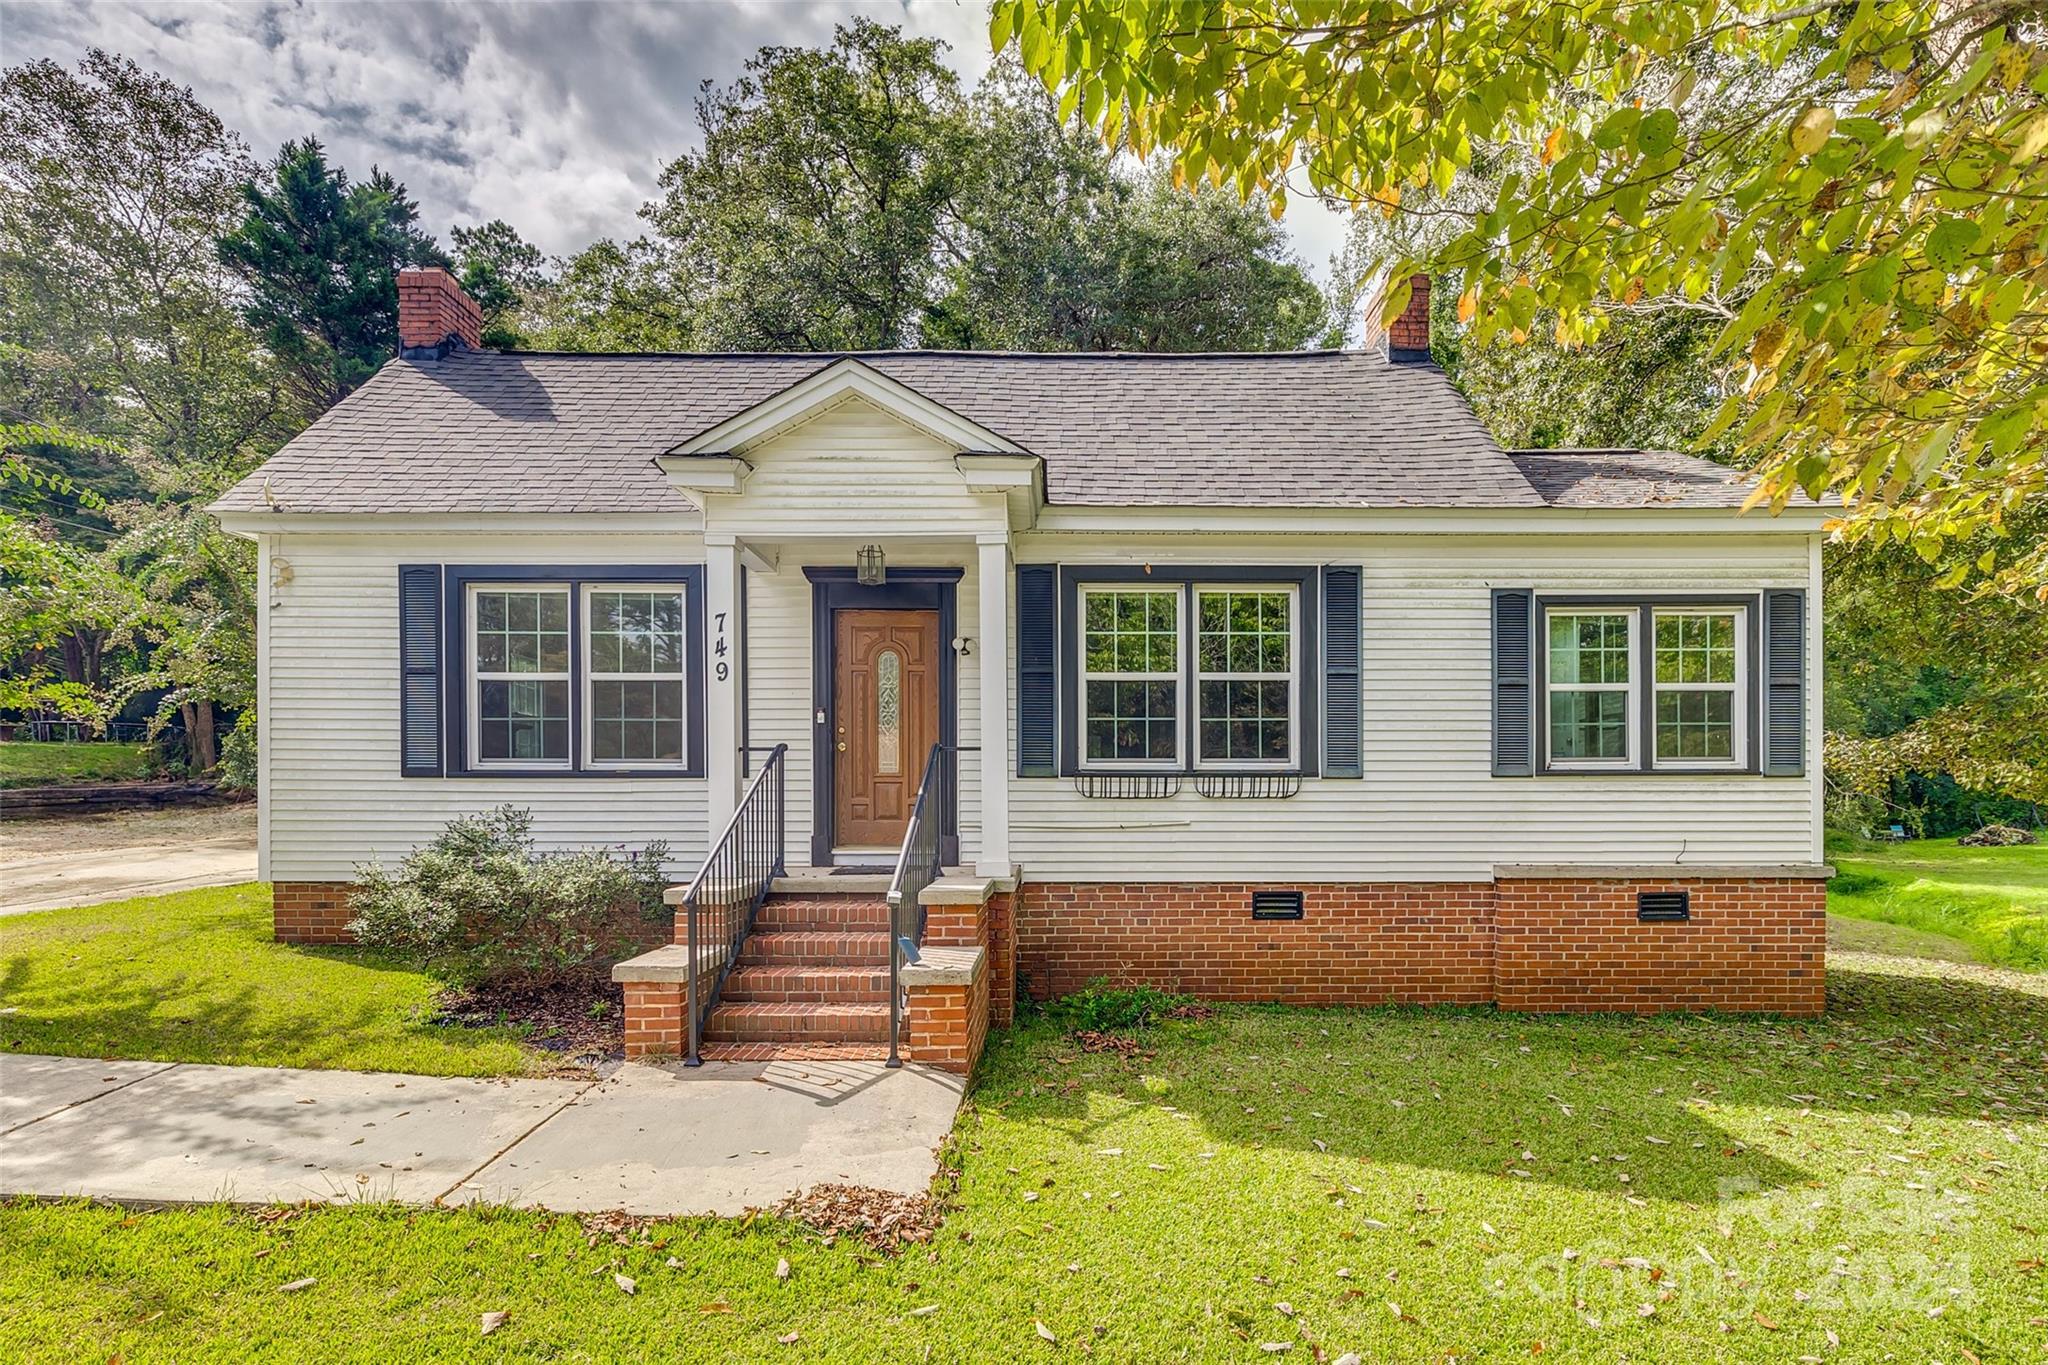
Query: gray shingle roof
484,431
1632,478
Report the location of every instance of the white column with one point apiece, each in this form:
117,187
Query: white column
721,678
992,592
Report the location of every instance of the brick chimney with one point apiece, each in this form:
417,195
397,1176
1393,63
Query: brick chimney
1407,336
434,312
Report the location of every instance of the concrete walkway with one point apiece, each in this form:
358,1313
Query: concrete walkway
651,1140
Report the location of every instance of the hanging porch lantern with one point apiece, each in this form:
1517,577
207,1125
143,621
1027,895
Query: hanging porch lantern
870,571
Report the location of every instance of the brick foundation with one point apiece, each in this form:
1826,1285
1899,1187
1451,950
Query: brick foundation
1535,943
1576,946
1416,943
310,912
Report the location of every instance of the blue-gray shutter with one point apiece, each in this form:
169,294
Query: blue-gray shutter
1037,669
1514,682
419,670
1343,755
1784,683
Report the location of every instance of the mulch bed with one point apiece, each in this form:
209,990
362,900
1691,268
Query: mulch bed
582,1019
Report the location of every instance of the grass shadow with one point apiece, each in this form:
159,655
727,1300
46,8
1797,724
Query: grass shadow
1686,1107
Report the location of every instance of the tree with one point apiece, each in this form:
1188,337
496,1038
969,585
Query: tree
1925,681
851,198
320,255
812,211
1140,266
500,270
136,390
1869,179
611,296
118,320
198,610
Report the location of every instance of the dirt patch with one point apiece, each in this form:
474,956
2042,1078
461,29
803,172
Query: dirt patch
885,1220
583,1020
111,831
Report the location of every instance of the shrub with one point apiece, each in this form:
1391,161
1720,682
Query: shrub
237,769
1102,1008
482,906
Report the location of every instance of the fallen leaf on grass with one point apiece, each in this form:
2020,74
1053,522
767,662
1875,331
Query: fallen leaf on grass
1764,1322
925,1311
296,1285
885,1220
494,1320
715,1306
625,1283
782,1268
790,1340
1045,1333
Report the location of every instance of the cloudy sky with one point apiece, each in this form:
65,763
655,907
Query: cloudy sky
554,116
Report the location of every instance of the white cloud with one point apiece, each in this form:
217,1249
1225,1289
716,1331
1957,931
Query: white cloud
556,117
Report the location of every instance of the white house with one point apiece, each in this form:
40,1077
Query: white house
1261,676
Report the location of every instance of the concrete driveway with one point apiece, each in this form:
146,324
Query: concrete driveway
651,1140
84,860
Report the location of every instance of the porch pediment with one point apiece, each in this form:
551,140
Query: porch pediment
850,451
818,393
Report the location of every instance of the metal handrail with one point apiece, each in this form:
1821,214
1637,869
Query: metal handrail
742,864
917,866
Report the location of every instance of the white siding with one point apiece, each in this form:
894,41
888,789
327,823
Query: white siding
1428,807
332,791
780,708
853,470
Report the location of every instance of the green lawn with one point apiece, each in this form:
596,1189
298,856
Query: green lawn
1993,899
195,977
39,765
1410,1185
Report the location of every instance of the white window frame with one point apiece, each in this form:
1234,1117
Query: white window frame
1632,727
475,679
1178,763
1193,632
1738,691
580,646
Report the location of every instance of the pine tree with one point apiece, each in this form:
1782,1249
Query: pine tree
321,256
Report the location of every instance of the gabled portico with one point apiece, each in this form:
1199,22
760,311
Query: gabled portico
793,491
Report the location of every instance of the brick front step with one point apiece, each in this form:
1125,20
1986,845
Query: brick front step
809,913
784,1023
794,1052
815,948
808,985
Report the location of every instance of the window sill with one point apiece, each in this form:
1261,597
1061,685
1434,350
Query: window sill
527,774
1648,772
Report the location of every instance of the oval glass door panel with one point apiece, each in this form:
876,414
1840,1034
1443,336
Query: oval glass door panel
888,713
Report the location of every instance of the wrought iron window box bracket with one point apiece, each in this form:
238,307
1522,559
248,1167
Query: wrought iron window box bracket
1248,786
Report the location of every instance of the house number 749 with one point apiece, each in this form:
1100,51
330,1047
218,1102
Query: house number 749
722,668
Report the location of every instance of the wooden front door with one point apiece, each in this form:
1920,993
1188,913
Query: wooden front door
886,705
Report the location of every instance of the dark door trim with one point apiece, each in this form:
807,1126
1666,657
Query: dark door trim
934,589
